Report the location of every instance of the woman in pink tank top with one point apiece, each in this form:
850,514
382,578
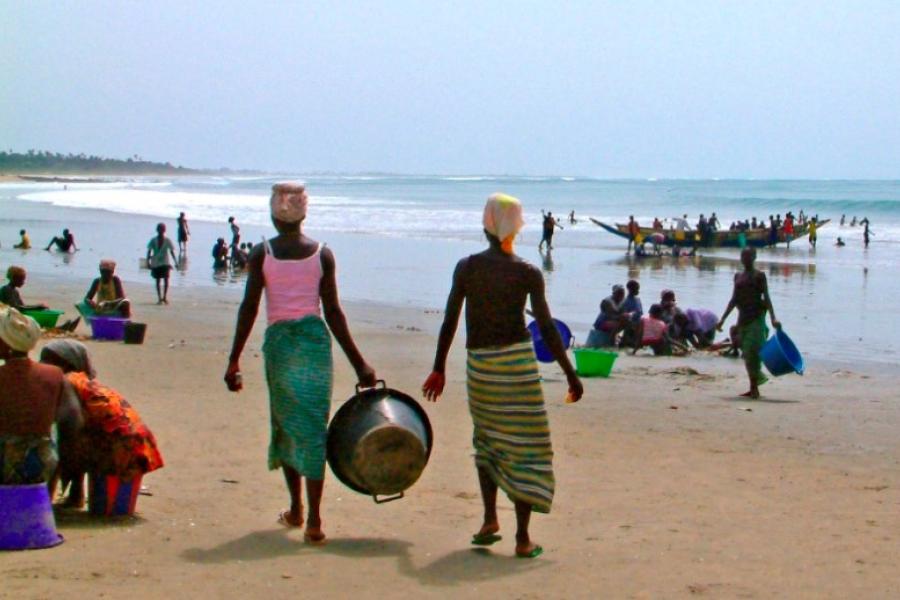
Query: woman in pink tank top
298,277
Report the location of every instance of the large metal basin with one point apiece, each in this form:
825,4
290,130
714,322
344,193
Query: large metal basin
379,442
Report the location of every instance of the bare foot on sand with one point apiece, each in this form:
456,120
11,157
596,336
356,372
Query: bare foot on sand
291,519
314,533
751,394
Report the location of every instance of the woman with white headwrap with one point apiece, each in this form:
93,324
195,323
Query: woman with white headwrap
297,275
114,440
106,295
32,398
512,434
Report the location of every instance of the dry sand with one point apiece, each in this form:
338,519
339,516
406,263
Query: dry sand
668,485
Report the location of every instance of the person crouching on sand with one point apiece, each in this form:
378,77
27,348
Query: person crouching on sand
751,298
512,434
106,295
114,440
298,276
9,293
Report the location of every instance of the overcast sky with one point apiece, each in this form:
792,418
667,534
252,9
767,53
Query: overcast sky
608,89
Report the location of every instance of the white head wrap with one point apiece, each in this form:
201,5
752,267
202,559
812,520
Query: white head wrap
21,333
503,218
288,202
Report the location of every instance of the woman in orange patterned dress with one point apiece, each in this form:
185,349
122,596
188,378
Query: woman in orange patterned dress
114,440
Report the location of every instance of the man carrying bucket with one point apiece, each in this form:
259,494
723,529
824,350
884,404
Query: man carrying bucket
751,298
512,434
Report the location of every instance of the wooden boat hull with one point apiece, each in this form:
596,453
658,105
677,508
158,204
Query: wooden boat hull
757,238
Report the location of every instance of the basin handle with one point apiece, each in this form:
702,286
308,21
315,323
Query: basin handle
388,499
380,381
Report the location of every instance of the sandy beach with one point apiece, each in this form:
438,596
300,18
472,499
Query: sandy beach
668,484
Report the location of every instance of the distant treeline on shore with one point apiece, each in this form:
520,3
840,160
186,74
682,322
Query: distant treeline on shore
35,162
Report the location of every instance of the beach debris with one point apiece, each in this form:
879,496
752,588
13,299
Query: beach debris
745,408
673,407
232,481
286,576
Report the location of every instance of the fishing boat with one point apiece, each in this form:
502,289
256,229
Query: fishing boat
756,238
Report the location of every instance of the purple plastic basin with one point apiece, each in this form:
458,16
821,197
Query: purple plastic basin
26,518
108,328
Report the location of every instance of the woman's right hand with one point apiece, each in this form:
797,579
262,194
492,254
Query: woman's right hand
433,386
366,376
233,377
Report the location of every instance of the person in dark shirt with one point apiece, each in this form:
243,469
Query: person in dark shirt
184,232
64,243
751,298
9,293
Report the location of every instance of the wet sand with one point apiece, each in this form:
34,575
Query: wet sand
668,484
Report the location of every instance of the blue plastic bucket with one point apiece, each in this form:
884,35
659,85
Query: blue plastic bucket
781,356
541,351
108,328
26,518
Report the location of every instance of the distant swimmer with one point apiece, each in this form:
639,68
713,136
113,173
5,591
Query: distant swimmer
184,232
866,231
853,221
840,243
572,220
843,220
235,232
65,243
24,242
220,254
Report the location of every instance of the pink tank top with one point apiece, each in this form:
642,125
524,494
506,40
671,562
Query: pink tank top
292,286
654,329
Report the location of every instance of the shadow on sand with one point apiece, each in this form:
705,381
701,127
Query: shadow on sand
465,565
68,518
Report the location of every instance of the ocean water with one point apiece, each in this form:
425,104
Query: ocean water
397,239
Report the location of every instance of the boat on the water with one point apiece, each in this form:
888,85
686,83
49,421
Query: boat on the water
757,238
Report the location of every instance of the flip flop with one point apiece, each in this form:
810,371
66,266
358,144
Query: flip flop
535,552
285,519
486,539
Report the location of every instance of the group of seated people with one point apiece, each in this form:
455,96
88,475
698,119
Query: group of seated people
238,257
665,329
105,297
97,431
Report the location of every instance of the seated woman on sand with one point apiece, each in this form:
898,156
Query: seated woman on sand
32,398
106,295
114,440
9,293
